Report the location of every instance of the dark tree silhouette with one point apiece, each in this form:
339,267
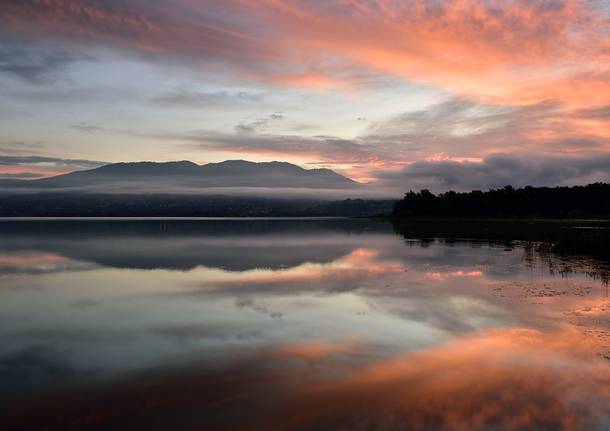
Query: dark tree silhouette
592,200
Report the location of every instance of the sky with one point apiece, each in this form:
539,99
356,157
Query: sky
406,94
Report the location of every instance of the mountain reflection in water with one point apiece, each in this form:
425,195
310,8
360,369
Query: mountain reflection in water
303,324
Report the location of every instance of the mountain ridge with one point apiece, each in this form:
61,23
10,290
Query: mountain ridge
185,173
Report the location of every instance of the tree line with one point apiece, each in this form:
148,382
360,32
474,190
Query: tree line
592,200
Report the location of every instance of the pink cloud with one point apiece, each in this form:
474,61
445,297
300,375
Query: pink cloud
513,52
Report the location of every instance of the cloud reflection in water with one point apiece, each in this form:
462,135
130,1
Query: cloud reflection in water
306,326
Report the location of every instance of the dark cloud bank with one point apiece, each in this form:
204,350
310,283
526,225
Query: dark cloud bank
499,170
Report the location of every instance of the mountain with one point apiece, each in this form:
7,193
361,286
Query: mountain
188,176
234,188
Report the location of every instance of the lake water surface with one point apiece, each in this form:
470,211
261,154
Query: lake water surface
300,324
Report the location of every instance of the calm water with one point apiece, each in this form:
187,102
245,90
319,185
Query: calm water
304,324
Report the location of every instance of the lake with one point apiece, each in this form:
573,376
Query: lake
303,324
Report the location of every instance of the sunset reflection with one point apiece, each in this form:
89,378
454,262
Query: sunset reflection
494,379
345,325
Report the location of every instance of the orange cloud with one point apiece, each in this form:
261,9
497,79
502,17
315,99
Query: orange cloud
312,80
30,259
498,51
42,171
312,350
508,52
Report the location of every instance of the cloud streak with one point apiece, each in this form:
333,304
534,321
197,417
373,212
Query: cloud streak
524,51
499,170
55,161
39,166
450,132
21,175
198,99
37,65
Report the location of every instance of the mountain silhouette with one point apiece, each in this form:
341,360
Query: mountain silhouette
185,174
